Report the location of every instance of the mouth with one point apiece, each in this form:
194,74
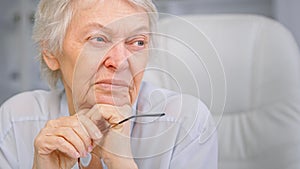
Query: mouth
110,91
112,83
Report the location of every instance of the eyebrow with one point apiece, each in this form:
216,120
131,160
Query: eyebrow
142,28
96,25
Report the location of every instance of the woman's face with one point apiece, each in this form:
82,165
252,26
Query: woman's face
105,53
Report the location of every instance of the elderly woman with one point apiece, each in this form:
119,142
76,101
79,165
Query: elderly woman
98,50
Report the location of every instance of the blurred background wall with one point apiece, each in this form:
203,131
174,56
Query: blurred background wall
19,67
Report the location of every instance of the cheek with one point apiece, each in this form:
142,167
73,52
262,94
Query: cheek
137,68
84,72
69,61
138,64
67,70
86,65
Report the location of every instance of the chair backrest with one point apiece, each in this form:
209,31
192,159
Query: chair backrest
261,62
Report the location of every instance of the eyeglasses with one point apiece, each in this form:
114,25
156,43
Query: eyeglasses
126,119
136,116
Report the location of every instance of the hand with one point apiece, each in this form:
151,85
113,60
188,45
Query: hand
62,141
115,148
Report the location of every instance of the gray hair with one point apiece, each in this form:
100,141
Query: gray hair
52,19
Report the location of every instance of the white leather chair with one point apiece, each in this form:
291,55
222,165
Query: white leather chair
260,126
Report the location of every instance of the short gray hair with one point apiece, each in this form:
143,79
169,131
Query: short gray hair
52,19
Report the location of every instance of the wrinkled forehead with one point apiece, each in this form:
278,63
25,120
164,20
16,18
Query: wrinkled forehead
114,15
108,11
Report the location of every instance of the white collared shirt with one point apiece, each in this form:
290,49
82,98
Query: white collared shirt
175,141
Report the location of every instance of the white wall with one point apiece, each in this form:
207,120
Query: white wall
178,7
288,12
285,11
19,69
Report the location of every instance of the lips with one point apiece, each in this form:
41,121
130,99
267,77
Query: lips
112,83
114,92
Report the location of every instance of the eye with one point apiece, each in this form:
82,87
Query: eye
139,43
98,39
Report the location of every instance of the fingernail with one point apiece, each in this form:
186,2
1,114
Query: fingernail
76,155
90,149
98,134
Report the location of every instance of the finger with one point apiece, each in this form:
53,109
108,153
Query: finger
104,117
72,137
96,116
110,113
84,136
49,144
67,148
73,123
90,127
84,117
83,133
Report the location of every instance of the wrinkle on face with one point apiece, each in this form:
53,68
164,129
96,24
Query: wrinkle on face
109,73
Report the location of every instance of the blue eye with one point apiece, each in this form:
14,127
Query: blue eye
99,39
140,43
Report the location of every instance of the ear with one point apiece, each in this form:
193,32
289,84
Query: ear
50,60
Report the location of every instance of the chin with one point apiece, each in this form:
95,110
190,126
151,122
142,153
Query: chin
116,101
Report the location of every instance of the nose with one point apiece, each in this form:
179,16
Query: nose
117,57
